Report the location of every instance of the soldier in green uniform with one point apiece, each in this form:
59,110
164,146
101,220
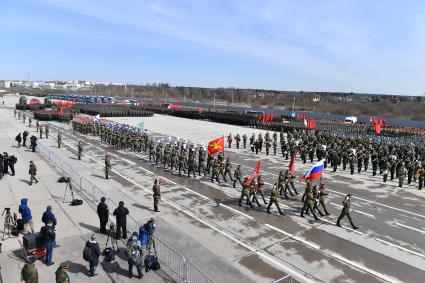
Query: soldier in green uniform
244,140
420,175
351,162
191,165
210,162
41,132
252,193
268,145
29,122
215,171
238,176
61,273
401,175
229,140
108,166
80,149
375,162
260,188
29,273
309,203
151,151
273,200
33,172
228,170
322,195
238,140
282,185
156,194
274,146
47,131
59,139
244,193
37,125
346,212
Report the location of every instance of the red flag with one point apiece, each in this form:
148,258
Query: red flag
61,110
260,117
311,124
216,145
292,162
254,174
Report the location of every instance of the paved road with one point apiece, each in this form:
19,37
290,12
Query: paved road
389,246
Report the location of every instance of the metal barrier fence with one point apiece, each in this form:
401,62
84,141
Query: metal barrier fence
183,268
286,279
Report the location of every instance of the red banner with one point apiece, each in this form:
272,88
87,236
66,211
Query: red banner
254,174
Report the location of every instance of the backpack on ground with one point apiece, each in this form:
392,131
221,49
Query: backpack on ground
87,254
76,202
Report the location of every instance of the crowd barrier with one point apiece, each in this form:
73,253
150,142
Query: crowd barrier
183,268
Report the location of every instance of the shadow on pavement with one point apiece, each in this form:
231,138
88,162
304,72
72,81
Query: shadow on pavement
89,227
142,207
24,181
77,268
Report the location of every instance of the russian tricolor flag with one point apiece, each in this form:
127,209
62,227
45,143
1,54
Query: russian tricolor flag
314,172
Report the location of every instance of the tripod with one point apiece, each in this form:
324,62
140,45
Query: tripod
9,221
68,187
111,236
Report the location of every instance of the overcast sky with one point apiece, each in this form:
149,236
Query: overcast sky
360,46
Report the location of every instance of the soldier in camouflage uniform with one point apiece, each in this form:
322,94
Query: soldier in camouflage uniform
273,199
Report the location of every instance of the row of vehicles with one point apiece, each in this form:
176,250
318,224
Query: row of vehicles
82,98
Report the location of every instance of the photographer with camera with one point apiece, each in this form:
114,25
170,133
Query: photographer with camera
25,212
134,255
146,232
11,162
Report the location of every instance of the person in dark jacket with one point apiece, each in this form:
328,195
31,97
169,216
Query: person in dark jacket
24,138
1,166
19,139
25,212
103,213
48,237
121,213
33,140
95,254
11,163
49,216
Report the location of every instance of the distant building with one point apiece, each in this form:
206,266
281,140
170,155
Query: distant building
5,84
316,98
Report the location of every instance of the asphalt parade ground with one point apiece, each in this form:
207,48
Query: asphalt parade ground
204,222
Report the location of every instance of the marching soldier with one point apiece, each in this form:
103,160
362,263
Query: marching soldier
37,125
346,209
274,146
59,138
260,188
375,162
80,149
322,195
401,175
420,175
309,203
41,132
33,172
253,192
210,162
238,176
156,194
191,166
273,200
108,166
244,193
215,172
228,169
47,131
316,195
29,122
201,162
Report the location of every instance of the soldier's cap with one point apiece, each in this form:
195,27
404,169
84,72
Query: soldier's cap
64,264
31,259
102,199
31,161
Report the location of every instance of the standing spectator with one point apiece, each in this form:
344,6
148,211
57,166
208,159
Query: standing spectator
93,245
24,138
121,213
80,149
103,213
33,140
33,172
61,273
1,166
134,256
48,237
11,163
18,138
49,216
29,273
25,212
5,163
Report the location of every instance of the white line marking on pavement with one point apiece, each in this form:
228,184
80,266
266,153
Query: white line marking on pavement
237,211
128,161
358,211
337,256
401,248
411,228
